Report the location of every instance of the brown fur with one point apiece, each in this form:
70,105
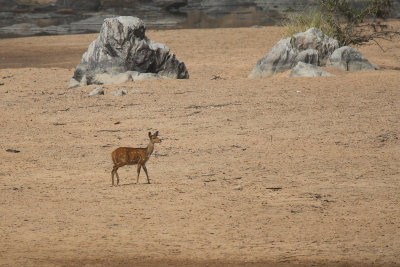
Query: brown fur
130,156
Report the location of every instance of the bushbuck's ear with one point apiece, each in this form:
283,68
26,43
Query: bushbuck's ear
149,134
156,133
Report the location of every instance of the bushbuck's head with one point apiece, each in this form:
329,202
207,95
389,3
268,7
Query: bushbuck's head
154,137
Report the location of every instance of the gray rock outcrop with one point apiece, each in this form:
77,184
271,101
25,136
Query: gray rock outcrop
349,59
307,70
311,46
121,50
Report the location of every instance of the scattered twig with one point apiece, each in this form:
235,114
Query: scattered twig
274,188
215,77
212,106
13,150
111,131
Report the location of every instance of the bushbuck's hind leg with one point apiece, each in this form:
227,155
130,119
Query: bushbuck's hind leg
114,171
145,171
112,175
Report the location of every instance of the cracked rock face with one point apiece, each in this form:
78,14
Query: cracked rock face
349,59
122,47
314,39
307,70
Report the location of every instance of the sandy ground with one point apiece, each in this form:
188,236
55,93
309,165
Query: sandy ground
288,171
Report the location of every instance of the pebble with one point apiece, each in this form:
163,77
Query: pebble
97,91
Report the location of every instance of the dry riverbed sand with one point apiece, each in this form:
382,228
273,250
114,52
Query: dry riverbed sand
288,171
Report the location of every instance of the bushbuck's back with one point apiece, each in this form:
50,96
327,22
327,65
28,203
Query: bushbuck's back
128,155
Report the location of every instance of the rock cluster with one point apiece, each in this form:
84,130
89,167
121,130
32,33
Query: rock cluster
311,47
122,52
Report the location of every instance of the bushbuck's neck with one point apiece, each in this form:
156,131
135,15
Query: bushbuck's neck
150,148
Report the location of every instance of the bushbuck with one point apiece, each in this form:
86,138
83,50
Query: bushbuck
130,156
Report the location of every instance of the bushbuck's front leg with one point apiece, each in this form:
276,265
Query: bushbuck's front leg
145,170
138,172
116,173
